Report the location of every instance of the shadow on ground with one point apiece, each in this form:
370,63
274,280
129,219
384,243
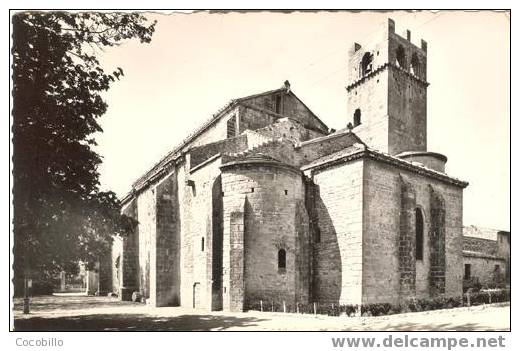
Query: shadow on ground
47,303
133,322
96,313
435,327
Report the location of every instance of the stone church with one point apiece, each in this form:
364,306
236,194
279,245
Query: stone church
265,202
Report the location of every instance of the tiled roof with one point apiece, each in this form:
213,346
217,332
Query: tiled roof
162,165
360,150
480,232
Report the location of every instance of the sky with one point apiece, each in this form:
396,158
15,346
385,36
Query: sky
197,62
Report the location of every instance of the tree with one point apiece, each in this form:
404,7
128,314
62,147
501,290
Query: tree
60,214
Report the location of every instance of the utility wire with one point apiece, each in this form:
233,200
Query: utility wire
315,83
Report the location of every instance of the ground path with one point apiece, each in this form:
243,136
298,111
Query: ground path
59,313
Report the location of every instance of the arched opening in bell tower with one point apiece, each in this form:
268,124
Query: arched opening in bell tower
414,65
366,63
400,57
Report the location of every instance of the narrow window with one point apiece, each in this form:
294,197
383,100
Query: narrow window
400,57
497,268
232,127
202,244
278,104
317,235
286,192
357,117
366,63
419,234
467,271
281,259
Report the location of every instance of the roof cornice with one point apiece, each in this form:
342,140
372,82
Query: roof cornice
388,159
476,254
380,69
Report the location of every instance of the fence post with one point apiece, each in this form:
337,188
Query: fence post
298,307
314,306
261,306
468,299
489,294
284,306
272,306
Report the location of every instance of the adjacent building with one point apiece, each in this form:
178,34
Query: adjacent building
487,257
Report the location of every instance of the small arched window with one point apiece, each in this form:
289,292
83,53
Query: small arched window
281,259
414,65
400,57
357,117
419,234
202,244
366,63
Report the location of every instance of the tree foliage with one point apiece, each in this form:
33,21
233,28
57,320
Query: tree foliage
60,214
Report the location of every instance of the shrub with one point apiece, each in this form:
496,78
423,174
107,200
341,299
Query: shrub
376,309
439,303
412,306
454,302
349,310
489,296
382,309
472,285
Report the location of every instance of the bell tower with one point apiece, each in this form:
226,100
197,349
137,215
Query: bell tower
386,92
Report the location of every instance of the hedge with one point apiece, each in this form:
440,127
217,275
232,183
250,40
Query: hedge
383,309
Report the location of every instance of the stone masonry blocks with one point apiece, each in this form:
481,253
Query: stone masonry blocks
438,244
406,244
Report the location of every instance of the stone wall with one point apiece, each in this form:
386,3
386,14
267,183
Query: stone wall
255,118
485,246
217,131
382,223
484,255
311,150
484,268
406,113
371,98
437,234
129,263
370,95
146,205
155,251
264,213
406,246
202,153
292,106
290,129
392,96
504,251
263,109
197,199
166,270
338,255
